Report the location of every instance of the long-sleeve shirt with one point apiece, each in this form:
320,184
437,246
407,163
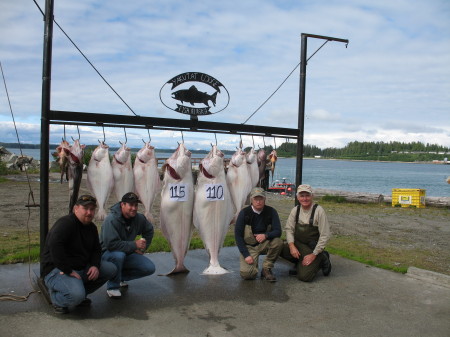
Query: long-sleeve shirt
70,245
320,221
118,233
258,224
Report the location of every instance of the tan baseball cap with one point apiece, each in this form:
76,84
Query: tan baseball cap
304,188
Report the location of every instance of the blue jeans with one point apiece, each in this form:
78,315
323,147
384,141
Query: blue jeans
129,267
68,291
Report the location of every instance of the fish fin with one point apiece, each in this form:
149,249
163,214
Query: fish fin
215,270
176,270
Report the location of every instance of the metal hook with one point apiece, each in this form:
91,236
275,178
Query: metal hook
104,137
275,143
149,137
240,143
78,129
264,142
215,136
64,132
253,139
125,131
182,137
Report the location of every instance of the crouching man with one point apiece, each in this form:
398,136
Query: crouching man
72,266
120,246
257,232
307,233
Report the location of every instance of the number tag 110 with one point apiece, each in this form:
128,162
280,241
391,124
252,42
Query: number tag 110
214,192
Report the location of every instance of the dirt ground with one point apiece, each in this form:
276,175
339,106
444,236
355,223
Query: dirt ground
423,230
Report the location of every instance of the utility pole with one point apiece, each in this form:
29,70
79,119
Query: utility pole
301,104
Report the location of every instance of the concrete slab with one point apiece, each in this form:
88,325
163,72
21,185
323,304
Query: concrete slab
355,300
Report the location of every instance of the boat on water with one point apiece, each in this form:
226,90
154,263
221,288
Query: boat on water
282,186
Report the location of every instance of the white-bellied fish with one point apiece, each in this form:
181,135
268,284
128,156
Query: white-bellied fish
75,170
146,178
238,180
213,208
123,172
252,165
100,179
177,199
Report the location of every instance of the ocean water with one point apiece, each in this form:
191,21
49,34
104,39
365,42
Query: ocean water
352,176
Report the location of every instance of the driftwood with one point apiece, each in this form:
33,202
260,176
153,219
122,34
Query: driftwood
366,198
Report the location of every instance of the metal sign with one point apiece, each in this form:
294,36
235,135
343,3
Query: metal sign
194,94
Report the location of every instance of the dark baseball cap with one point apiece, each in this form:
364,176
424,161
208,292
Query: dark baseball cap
86,200
130,198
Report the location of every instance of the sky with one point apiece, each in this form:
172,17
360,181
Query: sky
391,83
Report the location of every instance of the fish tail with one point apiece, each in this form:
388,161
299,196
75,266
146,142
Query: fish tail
213,98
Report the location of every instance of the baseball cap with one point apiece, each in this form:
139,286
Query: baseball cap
304,188
130,197
257,192
86,200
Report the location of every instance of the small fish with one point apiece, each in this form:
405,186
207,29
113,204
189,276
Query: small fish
273,159
262,159
100,179
123,172
146,178
192,95
75,170
62,153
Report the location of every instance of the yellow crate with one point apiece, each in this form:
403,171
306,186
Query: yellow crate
408,197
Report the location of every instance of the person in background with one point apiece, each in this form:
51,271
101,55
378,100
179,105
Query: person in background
307,233
121,246
257,232
72,266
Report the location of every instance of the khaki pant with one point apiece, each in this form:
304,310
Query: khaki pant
270,248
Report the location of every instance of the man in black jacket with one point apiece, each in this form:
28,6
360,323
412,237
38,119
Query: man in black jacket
257,231
72,255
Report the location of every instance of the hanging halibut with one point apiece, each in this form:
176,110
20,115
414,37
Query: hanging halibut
213,207
238,180
75,171
123,172
146,178
100,179
177,199
252,165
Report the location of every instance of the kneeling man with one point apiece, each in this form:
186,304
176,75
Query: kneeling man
120,245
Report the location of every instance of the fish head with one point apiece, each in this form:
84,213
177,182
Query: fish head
213,162
180,95
76,152
251,156
146,153
122,155
101,151
238,158
180,160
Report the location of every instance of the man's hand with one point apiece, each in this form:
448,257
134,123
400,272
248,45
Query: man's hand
93,273
308,259
72,274
260,237
249,260
294,251
138,251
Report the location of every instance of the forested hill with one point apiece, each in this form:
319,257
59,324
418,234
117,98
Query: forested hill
392,151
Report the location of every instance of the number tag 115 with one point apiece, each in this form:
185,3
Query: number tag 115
178,192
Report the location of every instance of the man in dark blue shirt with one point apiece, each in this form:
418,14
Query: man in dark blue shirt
257,232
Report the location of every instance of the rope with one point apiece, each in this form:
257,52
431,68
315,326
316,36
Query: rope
85,57
9,297
283,83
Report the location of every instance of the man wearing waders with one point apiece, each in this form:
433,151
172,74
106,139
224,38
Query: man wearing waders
307,233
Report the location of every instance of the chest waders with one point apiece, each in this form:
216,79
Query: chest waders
306,234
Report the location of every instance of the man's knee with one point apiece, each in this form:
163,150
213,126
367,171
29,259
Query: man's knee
249,275
116,257
108,269
148,268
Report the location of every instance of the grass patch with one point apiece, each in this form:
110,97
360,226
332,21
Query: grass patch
333,198
354,248
15,247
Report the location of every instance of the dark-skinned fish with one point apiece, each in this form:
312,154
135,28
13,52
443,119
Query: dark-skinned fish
192,95
75,170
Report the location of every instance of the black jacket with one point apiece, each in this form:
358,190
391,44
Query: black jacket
70,245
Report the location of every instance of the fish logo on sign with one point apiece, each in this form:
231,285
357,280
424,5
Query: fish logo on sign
205,97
